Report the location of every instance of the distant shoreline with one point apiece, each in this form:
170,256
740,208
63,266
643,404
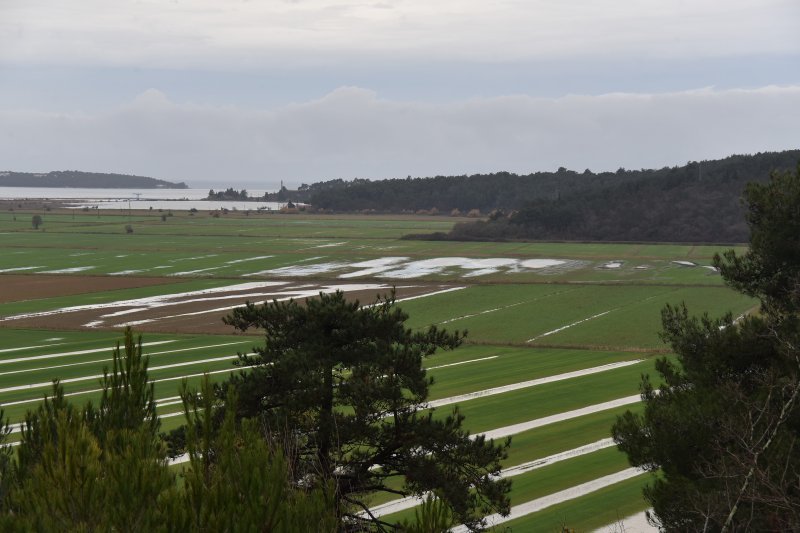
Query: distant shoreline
76,179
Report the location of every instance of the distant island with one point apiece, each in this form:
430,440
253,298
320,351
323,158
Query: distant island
84,180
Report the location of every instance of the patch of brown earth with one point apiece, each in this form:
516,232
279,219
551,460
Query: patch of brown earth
19,287
203,316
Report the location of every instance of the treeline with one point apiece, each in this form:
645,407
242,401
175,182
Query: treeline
699,202
229,194
508,191
302,194
85,180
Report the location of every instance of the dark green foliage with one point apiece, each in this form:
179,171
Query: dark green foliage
344,384
236,481
36,221
89,180
98,468
105,469
229,194
698,202
6,461
770,270
432,516
724,427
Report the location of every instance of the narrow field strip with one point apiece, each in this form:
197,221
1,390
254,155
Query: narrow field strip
90,391
94,361
23,348
562,328
98,376
540,504
530,383
77,352
539,422
408,502
295,294
443,291
504,307
146,301
463,362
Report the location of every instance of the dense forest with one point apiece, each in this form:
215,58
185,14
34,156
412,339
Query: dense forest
88,180
699,202
508,191
696,202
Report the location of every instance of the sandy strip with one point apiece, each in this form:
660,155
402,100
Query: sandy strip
158,305
237,261
562,328
462,317
25,370
373,266
22,348
530,383
67,270
194,271
408,502
90,391
429,294
291,295
544,502
636,523
464,362
295,270
78,352
296,294
147,301
191,258
99,376
508,306
560,417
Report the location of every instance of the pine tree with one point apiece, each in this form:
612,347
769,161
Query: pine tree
724,428
344,384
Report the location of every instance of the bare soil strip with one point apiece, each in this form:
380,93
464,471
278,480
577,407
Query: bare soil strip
200,311
19,287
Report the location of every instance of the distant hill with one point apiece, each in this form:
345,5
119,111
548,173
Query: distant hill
87,180
696,202
509,191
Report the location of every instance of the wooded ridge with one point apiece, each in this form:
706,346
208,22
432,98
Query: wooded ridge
88,180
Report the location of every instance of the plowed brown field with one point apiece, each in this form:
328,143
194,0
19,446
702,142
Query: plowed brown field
194,312
18,287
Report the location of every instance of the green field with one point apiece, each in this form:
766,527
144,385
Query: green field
553,324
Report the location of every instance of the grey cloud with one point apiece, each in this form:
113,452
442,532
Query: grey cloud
353,133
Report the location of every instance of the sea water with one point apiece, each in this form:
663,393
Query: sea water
175,199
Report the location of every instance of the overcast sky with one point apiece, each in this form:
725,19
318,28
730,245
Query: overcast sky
251,92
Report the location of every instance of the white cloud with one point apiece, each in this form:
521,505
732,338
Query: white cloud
352,133
257,34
